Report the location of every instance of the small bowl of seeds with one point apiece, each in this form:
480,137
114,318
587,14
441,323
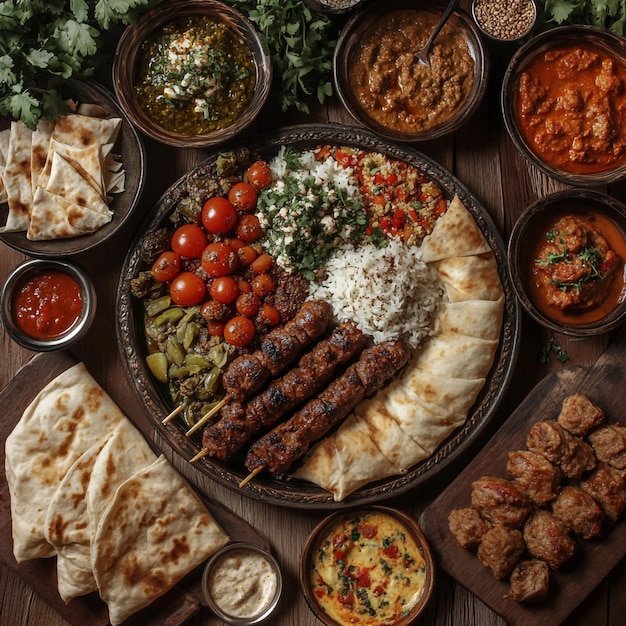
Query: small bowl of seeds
505,20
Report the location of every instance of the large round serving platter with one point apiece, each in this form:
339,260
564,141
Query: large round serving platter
129,146
292,492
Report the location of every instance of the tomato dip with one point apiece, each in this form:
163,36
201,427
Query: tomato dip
395,89
367,569
47,304
571,107
576,275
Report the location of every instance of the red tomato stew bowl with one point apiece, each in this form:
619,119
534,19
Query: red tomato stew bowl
365,566
566,256
564,104
47,304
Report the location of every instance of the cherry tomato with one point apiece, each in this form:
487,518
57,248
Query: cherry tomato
239,331
269,315
213,311
189,240
248,228
248,304
262,285
235,244
243,196
187,289
224,290
244,285
166,266
246,254
219,259
259,175
216,329
262,264
218,215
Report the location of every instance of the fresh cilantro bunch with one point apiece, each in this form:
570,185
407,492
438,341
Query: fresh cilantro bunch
44,39
609,14
300,42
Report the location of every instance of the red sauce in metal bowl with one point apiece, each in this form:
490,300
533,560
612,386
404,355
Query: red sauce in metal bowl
575,266
47,304
571,108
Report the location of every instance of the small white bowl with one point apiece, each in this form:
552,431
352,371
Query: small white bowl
65,339
268,603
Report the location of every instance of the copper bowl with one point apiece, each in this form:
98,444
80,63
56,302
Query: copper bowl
126,61
403,522
534,223
587,36
348,45
28,271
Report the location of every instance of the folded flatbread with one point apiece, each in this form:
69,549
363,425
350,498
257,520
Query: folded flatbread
4,151
64,420
408,420
154,531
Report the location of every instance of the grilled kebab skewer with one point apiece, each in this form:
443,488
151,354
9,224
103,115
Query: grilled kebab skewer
286,443
279,348
240,422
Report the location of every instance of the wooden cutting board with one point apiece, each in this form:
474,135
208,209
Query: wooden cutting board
175,607
604,384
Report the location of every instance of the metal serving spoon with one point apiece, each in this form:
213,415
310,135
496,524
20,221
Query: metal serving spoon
423,53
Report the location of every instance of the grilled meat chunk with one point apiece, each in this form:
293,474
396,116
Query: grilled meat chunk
579,415
467,526
534,475
530,581
548,539
609,444
500,549
500,501
579,512
608,488
573,456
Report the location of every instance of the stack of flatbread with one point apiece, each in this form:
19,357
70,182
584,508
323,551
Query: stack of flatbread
86,487
406,421
59,179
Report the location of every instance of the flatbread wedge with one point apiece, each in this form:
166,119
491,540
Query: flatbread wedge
154,532
63,421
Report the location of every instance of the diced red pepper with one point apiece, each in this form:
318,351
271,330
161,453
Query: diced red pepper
346,597
391,179
391,552
369,531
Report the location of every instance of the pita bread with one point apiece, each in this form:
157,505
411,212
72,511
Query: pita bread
17,178
64,420
4,150
54,217
408,420
82,131
39,151
455,235
68,530
154,532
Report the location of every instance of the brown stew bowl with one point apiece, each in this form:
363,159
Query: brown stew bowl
533,223
348,44
588,36
127,54
319,532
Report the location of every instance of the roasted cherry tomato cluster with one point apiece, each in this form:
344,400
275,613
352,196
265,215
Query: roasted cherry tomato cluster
219,266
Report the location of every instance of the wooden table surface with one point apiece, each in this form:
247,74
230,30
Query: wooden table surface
484,159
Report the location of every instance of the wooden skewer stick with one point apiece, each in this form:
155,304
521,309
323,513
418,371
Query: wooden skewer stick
198,456
208,415
251,475
173,414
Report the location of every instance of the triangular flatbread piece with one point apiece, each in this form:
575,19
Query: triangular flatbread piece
40,147
5,135
456,233
82,131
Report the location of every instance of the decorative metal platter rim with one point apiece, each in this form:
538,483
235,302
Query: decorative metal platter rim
130,145
295,493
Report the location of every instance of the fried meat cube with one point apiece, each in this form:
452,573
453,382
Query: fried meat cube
573,456
609,445
579,512
530,581
534,475
607,487
467,526
579,414
548,539
500,501
500,549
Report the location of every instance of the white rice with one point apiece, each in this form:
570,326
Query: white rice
389,293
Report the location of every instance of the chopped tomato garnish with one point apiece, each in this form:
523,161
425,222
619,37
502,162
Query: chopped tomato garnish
391,179
346,597
391,552
320,593
363,577
368,530
379,590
